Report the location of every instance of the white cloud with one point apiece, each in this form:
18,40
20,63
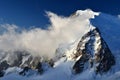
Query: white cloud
62,30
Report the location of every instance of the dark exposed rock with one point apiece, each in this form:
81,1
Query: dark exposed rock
94,50
4,65
24,71
1,73
51,62
39,68
78,67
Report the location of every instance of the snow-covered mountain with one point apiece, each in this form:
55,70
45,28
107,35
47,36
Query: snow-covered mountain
93,52
94,55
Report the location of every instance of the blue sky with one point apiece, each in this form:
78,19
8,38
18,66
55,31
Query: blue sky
26,13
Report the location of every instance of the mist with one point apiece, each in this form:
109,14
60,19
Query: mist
44,42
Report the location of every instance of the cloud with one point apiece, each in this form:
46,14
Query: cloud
62,30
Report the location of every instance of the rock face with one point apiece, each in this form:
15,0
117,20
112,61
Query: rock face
19,59
22,59
93,51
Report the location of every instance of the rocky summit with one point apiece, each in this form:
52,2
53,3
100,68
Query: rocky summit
93,51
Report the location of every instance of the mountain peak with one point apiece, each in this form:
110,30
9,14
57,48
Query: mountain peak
86,13
93,50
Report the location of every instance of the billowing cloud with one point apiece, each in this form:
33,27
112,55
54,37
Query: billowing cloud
62,30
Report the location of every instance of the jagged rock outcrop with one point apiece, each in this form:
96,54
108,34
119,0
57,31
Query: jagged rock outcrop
24,60
24,71
94,51
1,73
3,66
19,59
